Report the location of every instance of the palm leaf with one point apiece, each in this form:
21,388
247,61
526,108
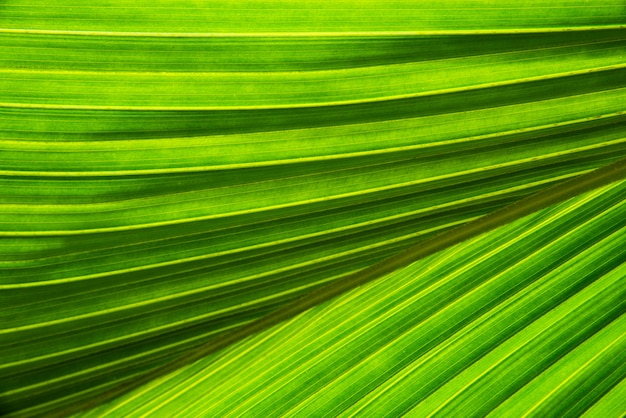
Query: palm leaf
527,319
172,172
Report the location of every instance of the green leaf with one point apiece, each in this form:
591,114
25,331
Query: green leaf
527,319
171,172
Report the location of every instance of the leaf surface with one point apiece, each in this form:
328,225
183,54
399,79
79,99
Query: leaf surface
170,172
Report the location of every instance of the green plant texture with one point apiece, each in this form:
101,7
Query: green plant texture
268,208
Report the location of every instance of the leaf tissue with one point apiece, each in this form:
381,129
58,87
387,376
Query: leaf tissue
202,205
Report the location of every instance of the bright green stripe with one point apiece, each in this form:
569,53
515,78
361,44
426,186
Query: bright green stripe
131,54
291,16
472,58
379,139
212,91
376,99
279,17
119,124
454,32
